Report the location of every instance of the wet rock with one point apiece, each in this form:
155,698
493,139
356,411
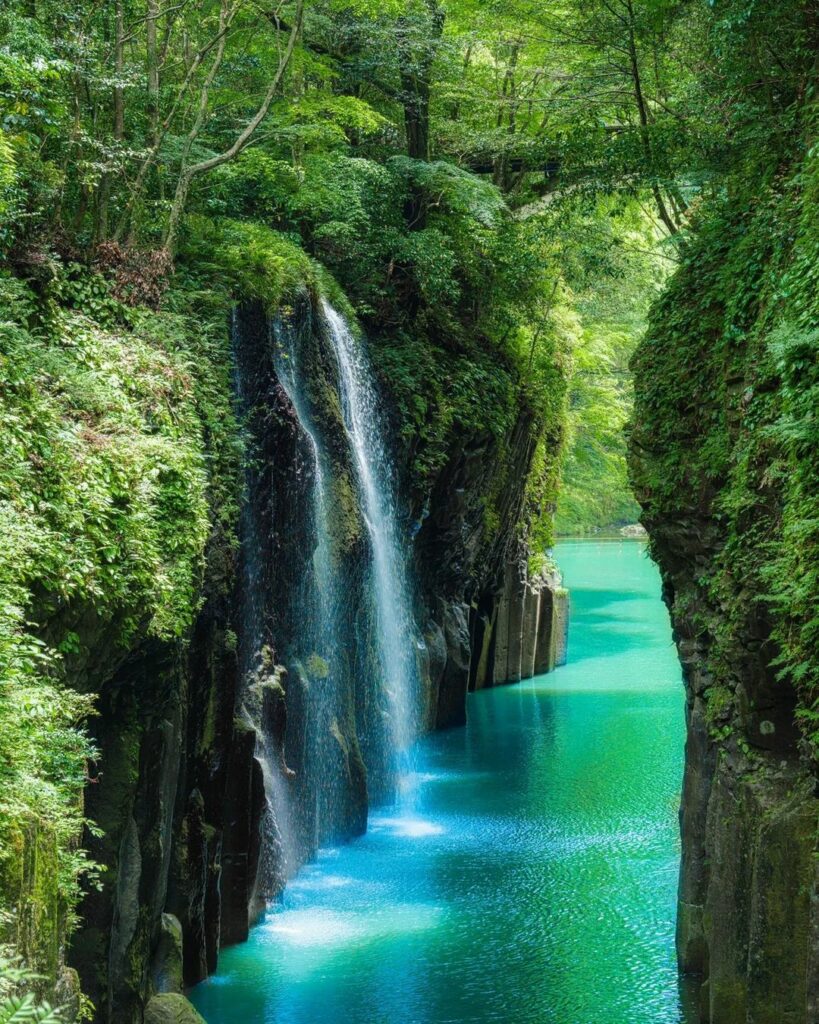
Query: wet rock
525,632
29,877
461,561
544,641
529,631
560,627
747,915
502,639
454,678
237,882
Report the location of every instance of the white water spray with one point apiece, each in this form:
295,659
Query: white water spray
277,851
391,598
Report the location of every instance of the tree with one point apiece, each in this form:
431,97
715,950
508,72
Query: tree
189,171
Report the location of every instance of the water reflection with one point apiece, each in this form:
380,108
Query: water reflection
534,880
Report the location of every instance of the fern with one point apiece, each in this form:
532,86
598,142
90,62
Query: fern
21,1007
25,1009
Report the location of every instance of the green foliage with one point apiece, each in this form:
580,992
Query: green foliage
107,502
793,574
19,1005
452,189
595,492
249,261
725,426
719,701
440,395
7,174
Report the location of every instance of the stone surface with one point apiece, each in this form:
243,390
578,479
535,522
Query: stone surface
531,618
29,876
454,679
501,639
560,627
171,1008
747,924
524,631
167,969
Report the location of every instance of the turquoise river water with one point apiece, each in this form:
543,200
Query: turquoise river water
533,880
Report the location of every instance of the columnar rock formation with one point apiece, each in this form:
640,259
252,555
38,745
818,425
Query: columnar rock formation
748,916
523,631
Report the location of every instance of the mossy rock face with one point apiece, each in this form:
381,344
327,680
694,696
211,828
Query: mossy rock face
168,976
29,884
171,1008
346,519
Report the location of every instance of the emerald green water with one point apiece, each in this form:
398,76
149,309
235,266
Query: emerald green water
534,880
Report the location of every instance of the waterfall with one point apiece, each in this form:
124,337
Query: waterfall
290,373
395,632
258,680
326,637
320,643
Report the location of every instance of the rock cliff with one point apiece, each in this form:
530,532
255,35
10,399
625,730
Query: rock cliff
723,460
227,750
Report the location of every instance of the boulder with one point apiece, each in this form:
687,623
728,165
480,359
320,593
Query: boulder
171,1008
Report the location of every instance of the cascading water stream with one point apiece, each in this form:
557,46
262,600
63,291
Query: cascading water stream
289,372
254,664
327,638
390,590
321,634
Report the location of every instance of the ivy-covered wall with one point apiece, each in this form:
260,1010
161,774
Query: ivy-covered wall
723,457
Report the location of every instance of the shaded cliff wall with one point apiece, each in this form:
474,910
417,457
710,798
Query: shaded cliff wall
479,597
478,451
521,632
723,457
204,665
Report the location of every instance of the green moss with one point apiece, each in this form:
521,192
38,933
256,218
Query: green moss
316,666
725,426
439,395
30,879
118,466
247,260
718,703
345,523
171,1008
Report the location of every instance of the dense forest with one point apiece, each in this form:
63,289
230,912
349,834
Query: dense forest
570,235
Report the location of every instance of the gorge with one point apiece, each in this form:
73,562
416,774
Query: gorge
332,334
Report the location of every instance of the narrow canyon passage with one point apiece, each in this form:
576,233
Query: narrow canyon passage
529,871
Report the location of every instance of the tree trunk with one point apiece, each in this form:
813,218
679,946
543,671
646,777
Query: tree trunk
416,57
645,136
152,73
104,193
162,131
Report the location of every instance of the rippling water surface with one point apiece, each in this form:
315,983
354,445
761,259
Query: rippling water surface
534,880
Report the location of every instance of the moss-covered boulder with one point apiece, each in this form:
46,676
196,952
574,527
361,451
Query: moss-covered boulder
171,1008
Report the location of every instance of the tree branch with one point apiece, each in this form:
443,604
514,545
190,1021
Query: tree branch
243,138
